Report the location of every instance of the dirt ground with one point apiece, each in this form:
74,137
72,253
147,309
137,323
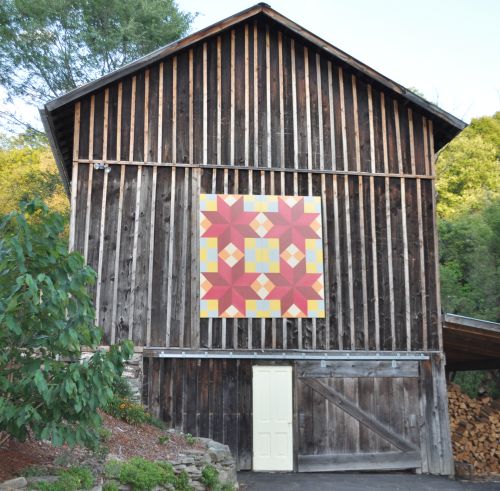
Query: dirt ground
124,441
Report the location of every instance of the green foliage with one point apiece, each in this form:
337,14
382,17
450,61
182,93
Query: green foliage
104,434
50,47
27,171
478,382
141,474
46,317
470,263
112,469
163,439
210,476
34,471
158,423
469,220
70,479
110,486
468,169
190,439
126,410
181,482
121,389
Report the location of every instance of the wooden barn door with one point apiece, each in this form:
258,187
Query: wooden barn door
358,415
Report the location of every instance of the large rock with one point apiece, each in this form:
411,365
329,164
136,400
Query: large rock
17,483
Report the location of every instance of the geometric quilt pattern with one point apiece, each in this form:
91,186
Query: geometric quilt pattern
261,256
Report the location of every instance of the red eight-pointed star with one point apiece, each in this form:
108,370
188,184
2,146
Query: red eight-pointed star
292,225
230,223
293,286
231,286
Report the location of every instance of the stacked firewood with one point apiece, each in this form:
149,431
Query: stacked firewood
475,431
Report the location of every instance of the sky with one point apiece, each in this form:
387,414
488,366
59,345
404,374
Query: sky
447,49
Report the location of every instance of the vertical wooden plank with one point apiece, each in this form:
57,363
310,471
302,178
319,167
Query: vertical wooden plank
268,98
340,313
205,105
195,264
282,108
219,100
74,175
136,285
426,146
412,141
90,177
349,261
343,119
170,257
326,254
255,96
174,109
247,99
406,266
232,95
103,206
332,118
119,215
366,393
423,289
398,137
308,110
388,221
134,249
294,109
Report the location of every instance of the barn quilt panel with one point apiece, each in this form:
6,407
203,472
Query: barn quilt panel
261,256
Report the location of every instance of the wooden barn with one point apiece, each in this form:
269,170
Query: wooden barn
259,208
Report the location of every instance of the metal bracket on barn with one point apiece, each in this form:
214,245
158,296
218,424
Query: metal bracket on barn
282,355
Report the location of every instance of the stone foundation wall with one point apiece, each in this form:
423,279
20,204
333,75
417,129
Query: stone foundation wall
132,372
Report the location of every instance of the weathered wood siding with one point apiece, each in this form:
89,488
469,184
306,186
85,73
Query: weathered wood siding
348,415
254,110
207,398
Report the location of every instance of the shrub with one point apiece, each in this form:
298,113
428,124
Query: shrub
110,486
163,439
190,439
46,316
70,479
182,482
141,474
210,477
126,410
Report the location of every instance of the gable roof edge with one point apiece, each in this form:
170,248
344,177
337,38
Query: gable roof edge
239,17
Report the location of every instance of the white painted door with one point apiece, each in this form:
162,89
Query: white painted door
272,418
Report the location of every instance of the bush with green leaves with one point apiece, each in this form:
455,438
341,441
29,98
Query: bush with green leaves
70,479
210,478
127,410
46,318
141,474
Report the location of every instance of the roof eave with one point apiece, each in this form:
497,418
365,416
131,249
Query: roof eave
161,53
51,135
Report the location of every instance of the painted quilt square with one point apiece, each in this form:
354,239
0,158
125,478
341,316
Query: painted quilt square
261,256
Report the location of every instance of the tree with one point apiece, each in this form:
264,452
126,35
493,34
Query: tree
468,183
469,168
49,47
470,263
46,317
27,171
